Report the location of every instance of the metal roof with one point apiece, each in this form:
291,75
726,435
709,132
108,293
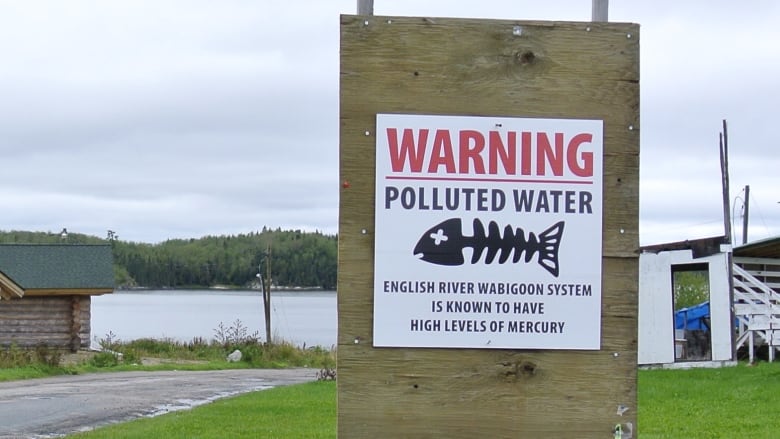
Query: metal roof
765,248
60,266
699,247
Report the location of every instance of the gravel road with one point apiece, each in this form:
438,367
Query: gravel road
53,407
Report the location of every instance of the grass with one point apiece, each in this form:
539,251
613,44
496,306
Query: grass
733,402
699,403
33,371
22,364
299,411
254,353
135,358
167,354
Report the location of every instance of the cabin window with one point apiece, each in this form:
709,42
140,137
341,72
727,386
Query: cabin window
691,302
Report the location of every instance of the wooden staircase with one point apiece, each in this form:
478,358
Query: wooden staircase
757,304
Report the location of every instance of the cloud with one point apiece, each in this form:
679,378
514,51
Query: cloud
162,119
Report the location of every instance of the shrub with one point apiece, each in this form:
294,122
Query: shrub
104,359
42,355
47,356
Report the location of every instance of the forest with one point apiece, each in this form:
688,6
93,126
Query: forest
297,258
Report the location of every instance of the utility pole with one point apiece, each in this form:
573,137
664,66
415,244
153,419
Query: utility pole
746,215
265,283
724,172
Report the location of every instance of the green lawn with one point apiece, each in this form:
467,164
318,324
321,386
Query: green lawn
300,411
737,402
734,402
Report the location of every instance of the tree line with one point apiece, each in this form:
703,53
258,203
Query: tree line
298,258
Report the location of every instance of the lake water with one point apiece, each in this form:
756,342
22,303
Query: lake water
298,317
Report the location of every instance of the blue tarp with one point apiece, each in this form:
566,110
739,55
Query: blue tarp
693,317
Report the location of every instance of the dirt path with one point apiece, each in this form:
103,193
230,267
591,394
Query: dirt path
51,407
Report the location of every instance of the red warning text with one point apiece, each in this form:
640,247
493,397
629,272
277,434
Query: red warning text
493,153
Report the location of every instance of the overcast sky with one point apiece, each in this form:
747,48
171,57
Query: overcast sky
177,119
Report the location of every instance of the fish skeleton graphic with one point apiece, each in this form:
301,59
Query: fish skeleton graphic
443,244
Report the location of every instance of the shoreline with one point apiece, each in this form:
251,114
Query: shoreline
222,288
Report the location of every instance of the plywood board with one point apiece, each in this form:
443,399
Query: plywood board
496,68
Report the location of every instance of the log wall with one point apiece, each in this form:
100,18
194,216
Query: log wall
61,322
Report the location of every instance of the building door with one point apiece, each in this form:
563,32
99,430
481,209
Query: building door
691,302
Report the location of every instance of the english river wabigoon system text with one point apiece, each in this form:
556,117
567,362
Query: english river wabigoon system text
468,302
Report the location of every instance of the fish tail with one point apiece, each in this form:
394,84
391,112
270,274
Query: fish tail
549,242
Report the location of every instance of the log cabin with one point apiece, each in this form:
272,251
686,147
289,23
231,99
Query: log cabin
46,290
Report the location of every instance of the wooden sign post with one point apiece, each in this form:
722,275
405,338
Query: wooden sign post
488,228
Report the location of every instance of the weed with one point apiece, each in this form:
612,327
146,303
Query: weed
47,356
13,356
234,334
115,352
109,342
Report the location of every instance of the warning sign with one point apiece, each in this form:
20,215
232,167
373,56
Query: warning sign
488,232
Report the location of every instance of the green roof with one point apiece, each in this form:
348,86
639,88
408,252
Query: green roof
60,266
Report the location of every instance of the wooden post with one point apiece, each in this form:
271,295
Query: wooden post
600,10
75,323
745,218
365,7
518,72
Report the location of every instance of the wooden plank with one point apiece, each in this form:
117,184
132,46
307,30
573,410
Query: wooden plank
32,315
502,68
447,393
48,292
9,288
54,340
764,273
760,261
36,301
33,324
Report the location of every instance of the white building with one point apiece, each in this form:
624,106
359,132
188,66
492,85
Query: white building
709,335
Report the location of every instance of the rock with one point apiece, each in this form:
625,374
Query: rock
235,357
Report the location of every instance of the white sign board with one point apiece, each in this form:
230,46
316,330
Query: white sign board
488,232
